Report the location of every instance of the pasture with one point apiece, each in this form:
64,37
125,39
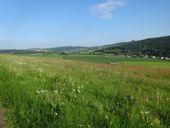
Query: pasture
55,91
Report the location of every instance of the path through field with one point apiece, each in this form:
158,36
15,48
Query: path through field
1,117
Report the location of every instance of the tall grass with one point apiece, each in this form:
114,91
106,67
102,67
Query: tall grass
50,93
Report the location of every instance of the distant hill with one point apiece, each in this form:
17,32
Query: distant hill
56,49
12,51
159,46
68,49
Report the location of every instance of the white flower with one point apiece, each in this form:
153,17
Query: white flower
55,91
41,91
78,90
38,92
147,112
56,113
44,91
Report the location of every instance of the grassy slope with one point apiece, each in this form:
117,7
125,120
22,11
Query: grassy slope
48,92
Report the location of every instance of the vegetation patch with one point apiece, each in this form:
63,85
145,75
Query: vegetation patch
47,92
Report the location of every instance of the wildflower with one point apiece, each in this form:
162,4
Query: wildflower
106,117
56,113
131,97
147,112
81,125
78,90
62,103
55,91
146,100
82,86
44,91
41,91
40,70
38,92
156,121
142,112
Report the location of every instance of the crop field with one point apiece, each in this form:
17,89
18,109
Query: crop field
107,59
57,92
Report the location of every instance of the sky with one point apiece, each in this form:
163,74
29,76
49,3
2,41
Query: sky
52,23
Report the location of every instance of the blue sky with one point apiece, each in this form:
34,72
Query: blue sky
52,23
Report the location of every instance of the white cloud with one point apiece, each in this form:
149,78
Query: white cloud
105,10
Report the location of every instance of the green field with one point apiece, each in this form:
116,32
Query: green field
53,91
107,59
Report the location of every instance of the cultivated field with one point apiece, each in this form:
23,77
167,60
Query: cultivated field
52,92
107,59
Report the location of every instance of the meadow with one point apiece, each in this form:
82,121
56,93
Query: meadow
66,92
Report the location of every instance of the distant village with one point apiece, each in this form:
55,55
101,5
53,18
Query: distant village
147,56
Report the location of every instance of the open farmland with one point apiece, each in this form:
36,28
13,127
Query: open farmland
106,59
52,92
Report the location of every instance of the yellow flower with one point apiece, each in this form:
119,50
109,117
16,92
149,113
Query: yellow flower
156,121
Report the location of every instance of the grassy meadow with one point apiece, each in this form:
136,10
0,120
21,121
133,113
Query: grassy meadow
57,92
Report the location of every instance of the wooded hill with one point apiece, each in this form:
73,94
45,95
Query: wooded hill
159,47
